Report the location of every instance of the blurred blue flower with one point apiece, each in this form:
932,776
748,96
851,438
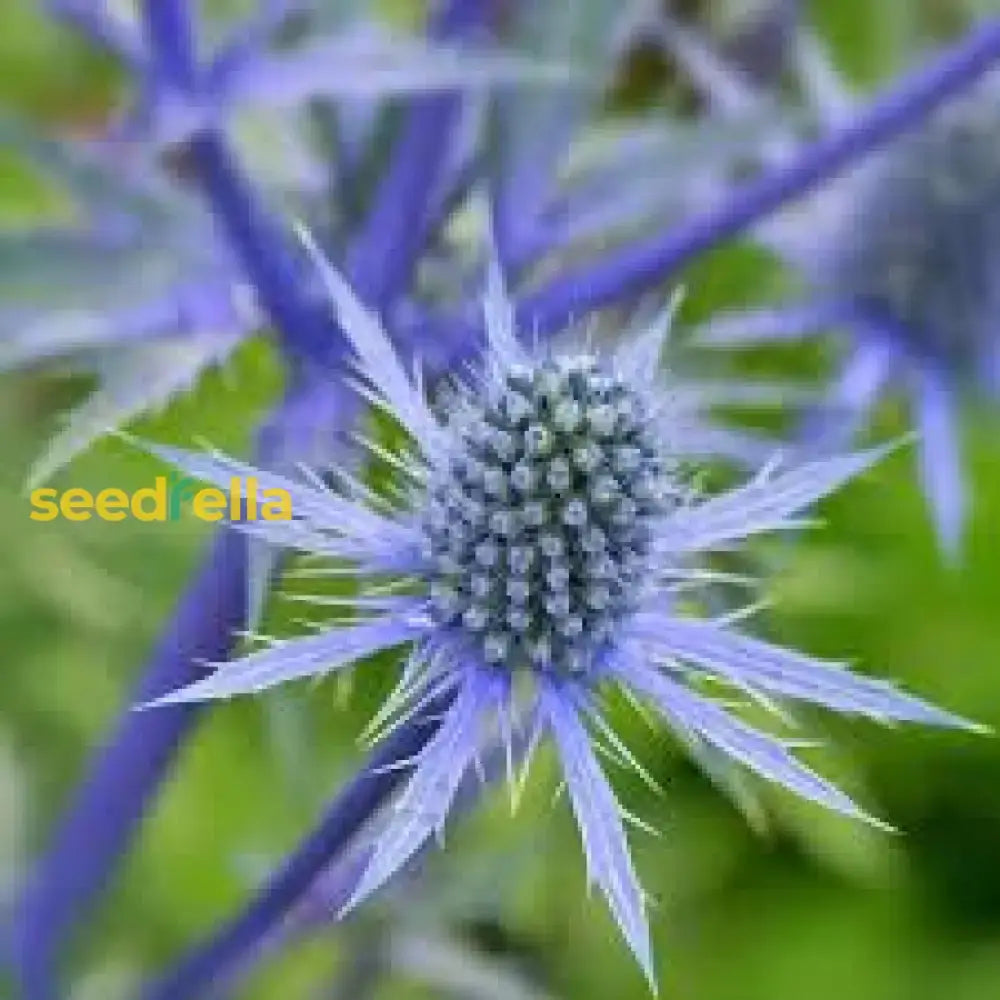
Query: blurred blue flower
537,548
135,288
914,255
903,253
286,54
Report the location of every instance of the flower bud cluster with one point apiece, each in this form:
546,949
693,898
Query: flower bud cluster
538,531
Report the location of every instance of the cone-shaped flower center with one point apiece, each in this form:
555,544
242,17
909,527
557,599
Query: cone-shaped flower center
539,529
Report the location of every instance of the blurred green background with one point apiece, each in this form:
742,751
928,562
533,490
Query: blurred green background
814,907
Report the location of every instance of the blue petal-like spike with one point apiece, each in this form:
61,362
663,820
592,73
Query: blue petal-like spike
852,396
132,381
380,364
765,504
761,665
825,91
940,450
729,92
756,750
599,817
369,65
293,659
331,523
208,308
534,129
424,804
638,358
771,325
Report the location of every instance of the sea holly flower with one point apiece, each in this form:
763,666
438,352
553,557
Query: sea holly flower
537,552
903,254
915,257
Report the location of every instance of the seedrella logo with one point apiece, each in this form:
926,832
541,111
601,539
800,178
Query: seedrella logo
166,500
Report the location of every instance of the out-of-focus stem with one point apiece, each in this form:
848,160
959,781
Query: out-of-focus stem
350,811
262,247
637,267
126,773
170,35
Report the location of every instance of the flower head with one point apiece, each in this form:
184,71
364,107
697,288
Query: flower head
916,261
537,554
903,252
538,529
920,246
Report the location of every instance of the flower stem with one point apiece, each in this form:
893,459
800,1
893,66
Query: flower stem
635,268
639,266
125,774
347,815
169,31
305,327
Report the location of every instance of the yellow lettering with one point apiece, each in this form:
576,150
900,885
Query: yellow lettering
158,495
76,505
208,504
111,504
43,504
252,498
277,505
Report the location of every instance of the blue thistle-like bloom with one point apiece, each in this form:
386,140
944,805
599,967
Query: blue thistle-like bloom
903,253
917,257
922,244
547,528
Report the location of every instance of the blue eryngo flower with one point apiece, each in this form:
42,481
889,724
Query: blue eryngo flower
536,554
916,258
903,253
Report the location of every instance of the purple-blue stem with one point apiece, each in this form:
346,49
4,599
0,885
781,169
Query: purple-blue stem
169,28
634,268
353,807
305,326
639,266
111,802
126,773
